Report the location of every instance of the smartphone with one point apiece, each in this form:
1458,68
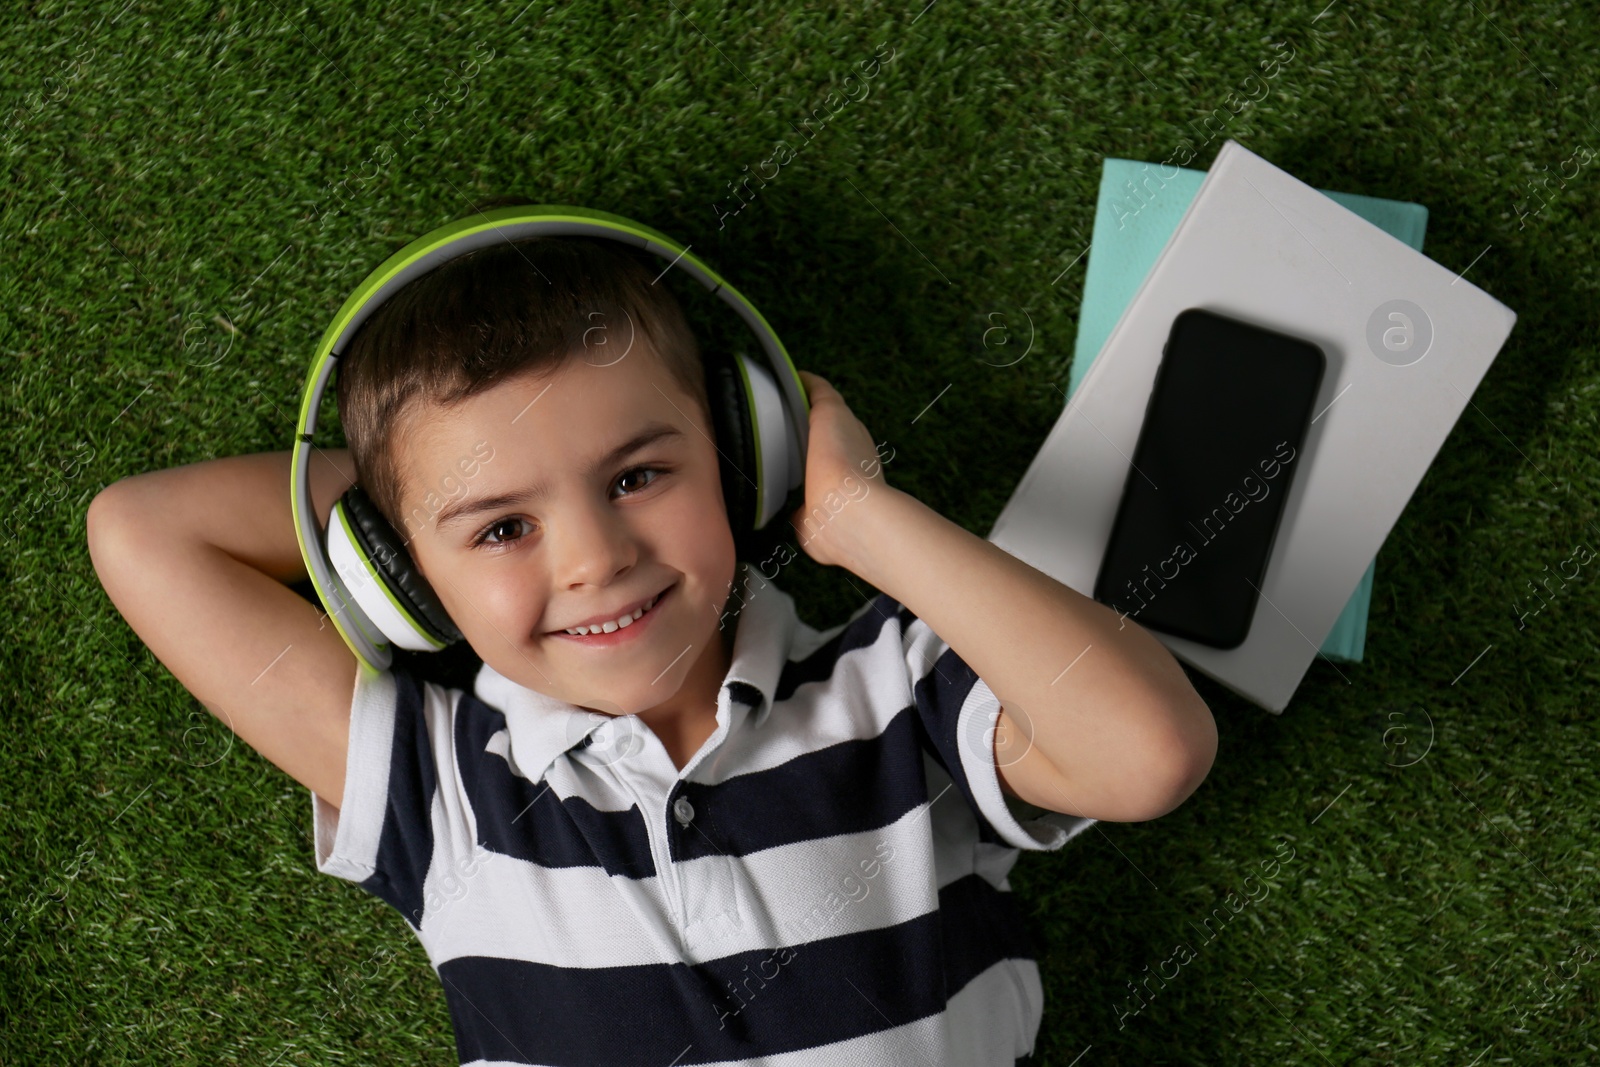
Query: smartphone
1222,441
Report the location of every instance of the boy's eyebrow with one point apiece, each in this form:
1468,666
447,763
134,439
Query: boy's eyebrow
468,506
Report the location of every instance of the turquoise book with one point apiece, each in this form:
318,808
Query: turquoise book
1139,207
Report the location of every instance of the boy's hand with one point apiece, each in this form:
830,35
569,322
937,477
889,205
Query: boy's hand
842,469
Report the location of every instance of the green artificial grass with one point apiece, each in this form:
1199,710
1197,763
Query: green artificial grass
191,189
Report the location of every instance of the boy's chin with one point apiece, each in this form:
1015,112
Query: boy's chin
625,695
601,706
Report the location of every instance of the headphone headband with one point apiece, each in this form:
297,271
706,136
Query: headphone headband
431,250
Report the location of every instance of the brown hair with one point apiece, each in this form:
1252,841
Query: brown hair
509,309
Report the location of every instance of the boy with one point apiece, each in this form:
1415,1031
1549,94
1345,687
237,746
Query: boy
690,834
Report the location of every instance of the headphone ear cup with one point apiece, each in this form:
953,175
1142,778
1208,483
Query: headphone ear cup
735,439
382,578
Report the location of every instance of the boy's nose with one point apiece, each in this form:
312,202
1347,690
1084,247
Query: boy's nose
590,545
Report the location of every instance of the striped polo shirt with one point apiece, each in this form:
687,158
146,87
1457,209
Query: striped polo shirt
824,882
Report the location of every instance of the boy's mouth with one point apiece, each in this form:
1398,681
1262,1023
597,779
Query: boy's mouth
608,634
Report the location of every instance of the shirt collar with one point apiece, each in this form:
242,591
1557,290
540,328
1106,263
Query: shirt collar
543,728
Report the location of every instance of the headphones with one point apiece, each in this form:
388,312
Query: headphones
360,567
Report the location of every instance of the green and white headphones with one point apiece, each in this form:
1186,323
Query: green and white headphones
360,567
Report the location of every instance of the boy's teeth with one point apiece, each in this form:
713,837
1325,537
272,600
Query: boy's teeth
619,623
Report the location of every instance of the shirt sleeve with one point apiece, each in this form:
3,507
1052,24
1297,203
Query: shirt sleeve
957,713
382,834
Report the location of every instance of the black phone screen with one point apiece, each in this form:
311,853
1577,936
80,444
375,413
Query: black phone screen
1220,446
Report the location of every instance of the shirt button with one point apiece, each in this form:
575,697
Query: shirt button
683,811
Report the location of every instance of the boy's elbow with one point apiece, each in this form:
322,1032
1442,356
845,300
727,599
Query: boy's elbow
103,518
1186,759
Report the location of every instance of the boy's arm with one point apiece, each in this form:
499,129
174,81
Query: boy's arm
1097,717
197,559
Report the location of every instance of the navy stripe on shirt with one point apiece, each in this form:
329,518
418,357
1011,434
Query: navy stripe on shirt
740,1006
846,788
406,848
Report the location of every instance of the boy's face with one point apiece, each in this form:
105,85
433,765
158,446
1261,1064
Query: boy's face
602,538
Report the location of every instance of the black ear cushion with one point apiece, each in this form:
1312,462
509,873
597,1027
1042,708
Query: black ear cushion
386,551
735,437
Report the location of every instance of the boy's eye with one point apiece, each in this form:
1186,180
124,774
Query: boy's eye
633,473
496,529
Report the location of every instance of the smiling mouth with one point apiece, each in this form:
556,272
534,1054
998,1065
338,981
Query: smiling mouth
613,627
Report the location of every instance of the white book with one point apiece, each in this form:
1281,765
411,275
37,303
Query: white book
1407,342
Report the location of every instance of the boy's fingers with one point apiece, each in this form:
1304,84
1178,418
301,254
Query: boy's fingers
815,382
